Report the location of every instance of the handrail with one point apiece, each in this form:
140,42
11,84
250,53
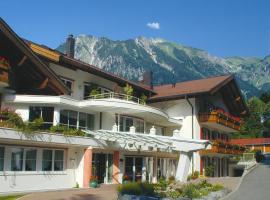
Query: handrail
113,95
221,119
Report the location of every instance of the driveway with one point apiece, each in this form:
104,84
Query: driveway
105,192
255,185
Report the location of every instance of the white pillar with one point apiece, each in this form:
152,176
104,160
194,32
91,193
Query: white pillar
56,116
183,166
144,169
154,179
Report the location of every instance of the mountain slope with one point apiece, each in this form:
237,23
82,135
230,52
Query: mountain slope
170,62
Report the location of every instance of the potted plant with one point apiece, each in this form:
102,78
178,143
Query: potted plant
128,91
125,179
93,182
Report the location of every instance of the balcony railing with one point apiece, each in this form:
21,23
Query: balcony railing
112,95
221,118
219,147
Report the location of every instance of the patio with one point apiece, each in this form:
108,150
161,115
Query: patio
104,192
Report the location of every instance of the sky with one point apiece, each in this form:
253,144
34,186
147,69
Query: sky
221,27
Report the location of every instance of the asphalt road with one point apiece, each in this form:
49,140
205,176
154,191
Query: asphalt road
255,185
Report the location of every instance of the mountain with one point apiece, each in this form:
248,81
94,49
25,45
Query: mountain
169,61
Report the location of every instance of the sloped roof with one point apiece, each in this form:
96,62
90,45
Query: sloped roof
193,87
62,59
226,85
40,66
251,141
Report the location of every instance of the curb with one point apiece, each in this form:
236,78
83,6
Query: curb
240,182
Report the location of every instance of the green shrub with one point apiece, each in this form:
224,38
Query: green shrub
143,98
162,184
66,131
190,191
133,188
174,194
94,92
209,170
128,90
195,175
204,191
15,119
58,129
204,184
171,179
36,124
217,187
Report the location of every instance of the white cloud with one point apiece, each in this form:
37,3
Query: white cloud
153,25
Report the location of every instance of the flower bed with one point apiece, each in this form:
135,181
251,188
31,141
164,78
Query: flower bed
169,190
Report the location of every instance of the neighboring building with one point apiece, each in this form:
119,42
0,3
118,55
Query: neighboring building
125,136
210,109
261,144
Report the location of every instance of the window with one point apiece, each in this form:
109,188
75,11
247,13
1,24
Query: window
46,113
47,160
139,124
30,159
2,155
16,159
23,159
126,122
59,160
53,160
69,118
86,121
88,87
68,83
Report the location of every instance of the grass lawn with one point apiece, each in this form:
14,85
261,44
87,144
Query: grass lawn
10,197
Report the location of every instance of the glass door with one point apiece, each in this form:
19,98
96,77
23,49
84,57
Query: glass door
133,168
138,168
129,168
102,167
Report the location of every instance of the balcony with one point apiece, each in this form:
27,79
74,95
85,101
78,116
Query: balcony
220,147
216,118
4,66
112,95
120,104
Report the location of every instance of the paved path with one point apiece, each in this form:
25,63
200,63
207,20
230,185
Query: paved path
255,185
105,192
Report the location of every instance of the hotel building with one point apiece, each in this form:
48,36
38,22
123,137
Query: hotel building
157,132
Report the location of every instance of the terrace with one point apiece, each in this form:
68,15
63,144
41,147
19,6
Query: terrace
223,148
113,95
219,117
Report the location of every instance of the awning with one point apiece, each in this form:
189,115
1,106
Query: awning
148,142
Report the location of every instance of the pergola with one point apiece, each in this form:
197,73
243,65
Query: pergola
149,142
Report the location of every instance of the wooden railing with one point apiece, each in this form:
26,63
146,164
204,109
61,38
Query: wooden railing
219,147
221,118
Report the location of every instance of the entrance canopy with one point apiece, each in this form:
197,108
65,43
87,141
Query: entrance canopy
148,142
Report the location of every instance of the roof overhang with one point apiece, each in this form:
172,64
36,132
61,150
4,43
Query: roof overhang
148,142
27,54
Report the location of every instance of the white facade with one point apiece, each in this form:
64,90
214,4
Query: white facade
161,119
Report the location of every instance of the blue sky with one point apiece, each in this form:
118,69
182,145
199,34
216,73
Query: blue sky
222,27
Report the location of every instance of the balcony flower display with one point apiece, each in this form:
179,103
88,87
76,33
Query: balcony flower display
4,64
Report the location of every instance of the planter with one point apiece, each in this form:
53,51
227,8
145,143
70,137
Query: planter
93,184
125,181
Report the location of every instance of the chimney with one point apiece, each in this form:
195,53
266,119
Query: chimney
70,46
148,79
